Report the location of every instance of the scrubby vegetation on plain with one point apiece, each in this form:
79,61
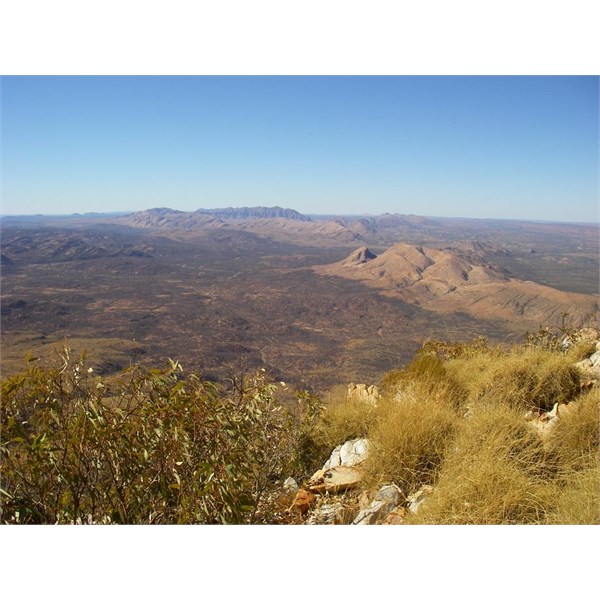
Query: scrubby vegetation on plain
163,446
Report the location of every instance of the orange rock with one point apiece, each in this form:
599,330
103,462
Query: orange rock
396,517
302,502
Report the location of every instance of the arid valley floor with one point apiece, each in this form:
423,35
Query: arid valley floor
314,300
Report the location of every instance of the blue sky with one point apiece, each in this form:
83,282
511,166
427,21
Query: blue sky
499,147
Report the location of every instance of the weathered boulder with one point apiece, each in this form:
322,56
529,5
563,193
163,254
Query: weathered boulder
316,483
363,393
349,454
335,480
591,364
385,501
342,471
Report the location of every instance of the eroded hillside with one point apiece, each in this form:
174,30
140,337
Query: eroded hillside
444,281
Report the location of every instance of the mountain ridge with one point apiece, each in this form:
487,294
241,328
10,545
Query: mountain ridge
444,280
278,223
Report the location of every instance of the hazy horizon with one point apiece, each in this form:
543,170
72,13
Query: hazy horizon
308,214
504,147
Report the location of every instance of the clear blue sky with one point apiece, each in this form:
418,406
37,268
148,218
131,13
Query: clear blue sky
506,147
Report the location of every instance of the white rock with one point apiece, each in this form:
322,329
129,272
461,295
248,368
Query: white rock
334,459
595,359
354,452
326,514
335,480
349,454
342,478
390,494
290,485
383,504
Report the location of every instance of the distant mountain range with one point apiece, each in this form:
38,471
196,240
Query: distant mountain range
258,212
278,223
179,217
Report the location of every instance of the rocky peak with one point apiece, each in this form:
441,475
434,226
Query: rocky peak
359,257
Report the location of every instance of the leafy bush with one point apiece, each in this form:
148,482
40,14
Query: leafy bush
162,446
309,447
157,446
553,338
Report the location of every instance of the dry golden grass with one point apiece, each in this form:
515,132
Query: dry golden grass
581,350
578,501
574,445
575,440
425,377
409,439
524,378
494,474
342,420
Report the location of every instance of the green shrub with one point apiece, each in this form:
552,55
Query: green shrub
157,446
309,448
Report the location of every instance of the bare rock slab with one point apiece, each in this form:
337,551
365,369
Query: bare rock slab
386,500
335,480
